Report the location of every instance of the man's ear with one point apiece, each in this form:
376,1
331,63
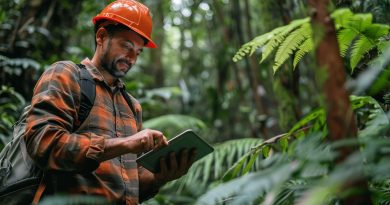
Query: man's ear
101,35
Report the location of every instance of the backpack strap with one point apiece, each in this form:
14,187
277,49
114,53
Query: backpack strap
41,188
130,103
88,93
87,99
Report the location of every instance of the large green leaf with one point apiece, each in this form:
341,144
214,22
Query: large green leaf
171,125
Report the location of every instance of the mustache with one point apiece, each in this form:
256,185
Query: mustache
123,60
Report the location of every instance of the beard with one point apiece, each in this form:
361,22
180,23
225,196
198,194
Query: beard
111,66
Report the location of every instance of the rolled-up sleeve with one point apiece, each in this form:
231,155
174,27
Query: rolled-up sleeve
50,139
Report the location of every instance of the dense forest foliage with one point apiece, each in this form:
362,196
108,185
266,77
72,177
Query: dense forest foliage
293,94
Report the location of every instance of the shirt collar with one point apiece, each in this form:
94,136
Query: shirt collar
96,73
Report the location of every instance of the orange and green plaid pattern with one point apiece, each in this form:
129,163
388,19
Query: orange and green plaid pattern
74,155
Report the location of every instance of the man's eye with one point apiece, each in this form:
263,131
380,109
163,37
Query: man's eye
126,46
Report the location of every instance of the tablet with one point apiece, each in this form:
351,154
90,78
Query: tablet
185,140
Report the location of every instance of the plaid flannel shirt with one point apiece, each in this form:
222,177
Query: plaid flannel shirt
74,155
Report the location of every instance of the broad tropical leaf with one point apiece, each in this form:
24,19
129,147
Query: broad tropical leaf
171,125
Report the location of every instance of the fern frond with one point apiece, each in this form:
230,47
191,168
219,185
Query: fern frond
279,37
250,47
383,45
291,43
341,17
243,51
376,31
289,192
246,189
259,41
345,38
306,47
359,49
272,42
214,165
359,22
377,120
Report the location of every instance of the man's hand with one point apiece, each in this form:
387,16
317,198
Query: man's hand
175,166
146,140
150,183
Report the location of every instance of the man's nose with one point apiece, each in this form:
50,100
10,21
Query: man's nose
132,58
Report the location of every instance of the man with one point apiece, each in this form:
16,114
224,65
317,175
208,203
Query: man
98,158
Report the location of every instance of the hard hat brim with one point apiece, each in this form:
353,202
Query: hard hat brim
149,44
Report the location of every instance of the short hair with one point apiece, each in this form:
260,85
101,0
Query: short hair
112,29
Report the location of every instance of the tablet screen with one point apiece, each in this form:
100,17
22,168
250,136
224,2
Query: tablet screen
185,140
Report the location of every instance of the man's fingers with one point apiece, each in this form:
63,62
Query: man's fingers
183,162
192,156
160,141
173,161
163,165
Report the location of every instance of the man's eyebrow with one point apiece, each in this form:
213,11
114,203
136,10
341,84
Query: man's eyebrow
132,43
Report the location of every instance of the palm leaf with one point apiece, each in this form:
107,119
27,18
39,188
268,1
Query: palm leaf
291,43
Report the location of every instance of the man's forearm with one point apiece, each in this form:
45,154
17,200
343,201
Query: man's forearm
113,148
142,141
148,185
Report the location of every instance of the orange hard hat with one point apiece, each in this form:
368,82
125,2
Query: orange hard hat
132,14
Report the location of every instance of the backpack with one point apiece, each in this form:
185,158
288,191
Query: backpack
21,180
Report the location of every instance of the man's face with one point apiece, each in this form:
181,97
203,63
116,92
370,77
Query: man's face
120,52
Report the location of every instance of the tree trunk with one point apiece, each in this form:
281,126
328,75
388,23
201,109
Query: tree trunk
340,118
157,68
